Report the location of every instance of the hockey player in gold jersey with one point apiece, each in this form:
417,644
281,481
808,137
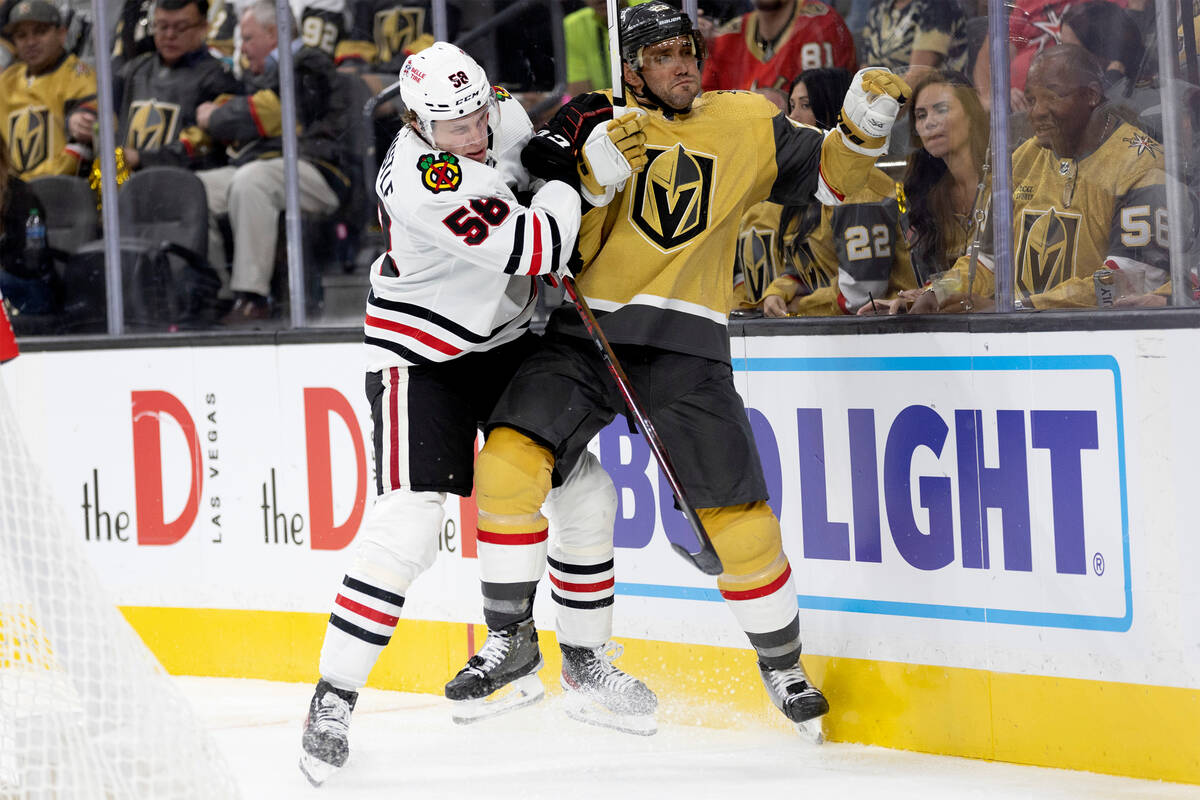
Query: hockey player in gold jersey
670,181
1088,194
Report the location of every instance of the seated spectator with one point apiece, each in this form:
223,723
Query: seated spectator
771,45
385,32
1088,195
250,190
1110,33
158,92
27,279
837,257
47,98
909,36
941,183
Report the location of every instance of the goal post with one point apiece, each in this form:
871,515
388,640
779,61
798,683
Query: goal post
86,711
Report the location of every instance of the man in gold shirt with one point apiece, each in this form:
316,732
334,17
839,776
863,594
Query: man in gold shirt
47,98
669,180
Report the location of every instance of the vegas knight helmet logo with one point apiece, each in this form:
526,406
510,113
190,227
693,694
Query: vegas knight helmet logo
152,124
1047,250
29,137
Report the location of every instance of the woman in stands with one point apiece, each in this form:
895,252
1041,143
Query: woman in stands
26,277
941,183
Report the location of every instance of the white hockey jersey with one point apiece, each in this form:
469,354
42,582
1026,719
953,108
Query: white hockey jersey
462,251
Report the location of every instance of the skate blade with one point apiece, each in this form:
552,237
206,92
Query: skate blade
812,730
581,709
316,770
522,692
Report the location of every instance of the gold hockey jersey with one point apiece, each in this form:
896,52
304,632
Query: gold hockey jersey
1073,216
760,258
658,259
856,253
34,110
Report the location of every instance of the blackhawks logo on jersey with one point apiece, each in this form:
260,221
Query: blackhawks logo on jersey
440,173
670,203
29,137
1046,253
152,124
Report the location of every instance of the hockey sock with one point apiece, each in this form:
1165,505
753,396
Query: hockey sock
512,479
757,582
362,622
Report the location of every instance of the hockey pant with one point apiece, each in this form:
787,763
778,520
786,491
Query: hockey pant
512,481
757,582
399,541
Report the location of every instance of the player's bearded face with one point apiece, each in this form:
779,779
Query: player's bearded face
670,70
466,137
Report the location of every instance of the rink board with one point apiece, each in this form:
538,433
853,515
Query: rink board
989,532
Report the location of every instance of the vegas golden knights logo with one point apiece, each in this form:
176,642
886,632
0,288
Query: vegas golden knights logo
671,199
755,257
1046,253
29,137
152,124
397,28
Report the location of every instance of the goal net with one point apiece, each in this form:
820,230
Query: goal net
85,709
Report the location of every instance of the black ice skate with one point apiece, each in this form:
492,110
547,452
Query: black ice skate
326,737
794,693
500,677
599,693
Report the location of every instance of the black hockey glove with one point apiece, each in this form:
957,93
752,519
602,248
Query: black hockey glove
554,152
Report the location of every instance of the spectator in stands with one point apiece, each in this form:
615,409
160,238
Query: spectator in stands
157,93
585,36
771,45
27,280
385,32
941,183
836,258
47,98
909,36
250,189
1089,200
1110,33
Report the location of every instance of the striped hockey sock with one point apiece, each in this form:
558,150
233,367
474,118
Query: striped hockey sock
362,622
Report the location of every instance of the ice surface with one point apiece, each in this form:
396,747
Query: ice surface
405,746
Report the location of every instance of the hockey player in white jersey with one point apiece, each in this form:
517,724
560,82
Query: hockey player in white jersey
446,326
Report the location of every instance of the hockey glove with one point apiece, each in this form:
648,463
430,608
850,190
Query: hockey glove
870,109
611,154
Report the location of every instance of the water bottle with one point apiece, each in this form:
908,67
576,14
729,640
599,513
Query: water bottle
35,243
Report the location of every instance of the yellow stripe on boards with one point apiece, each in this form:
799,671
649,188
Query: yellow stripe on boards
1116,728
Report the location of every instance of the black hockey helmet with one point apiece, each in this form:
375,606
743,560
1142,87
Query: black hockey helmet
648,23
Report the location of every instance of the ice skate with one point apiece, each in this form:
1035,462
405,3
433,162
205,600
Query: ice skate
326,739
794,693
599,693
500,677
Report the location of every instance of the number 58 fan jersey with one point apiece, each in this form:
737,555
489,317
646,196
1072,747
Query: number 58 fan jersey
456,276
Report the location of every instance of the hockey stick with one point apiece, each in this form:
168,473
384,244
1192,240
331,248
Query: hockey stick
706,559
614,55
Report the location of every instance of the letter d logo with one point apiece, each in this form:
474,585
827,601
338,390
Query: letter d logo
319,404
148,468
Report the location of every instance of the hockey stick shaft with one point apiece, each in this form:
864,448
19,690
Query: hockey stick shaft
706,559
614,53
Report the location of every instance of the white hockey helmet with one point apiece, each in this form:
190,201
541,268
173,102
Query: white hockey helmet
442,82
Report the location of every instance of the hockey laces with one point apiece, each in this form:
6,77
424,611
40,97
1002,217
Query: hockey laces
780,679
333,715
494,650
603,671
